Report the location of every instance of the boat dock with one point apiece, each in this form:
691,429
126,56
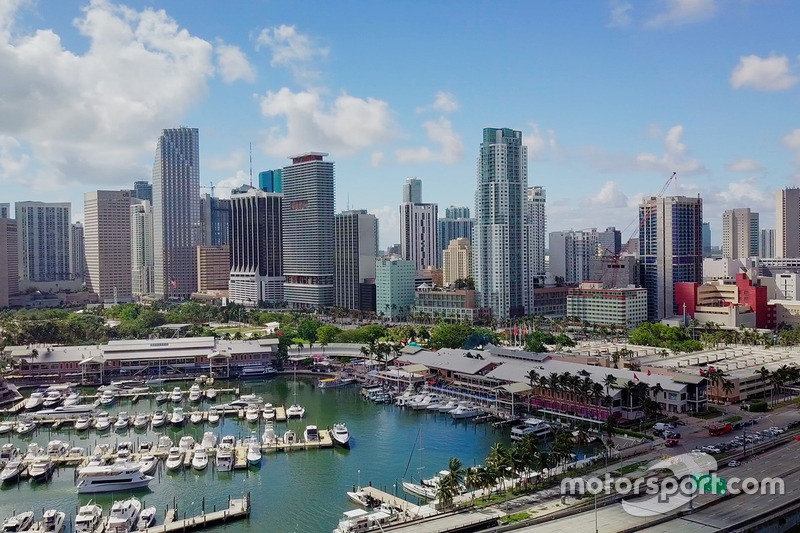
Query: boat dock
241,458
280,414
324,441
411,511
237,509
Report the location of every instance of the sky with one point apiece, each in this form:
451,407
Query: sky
612,97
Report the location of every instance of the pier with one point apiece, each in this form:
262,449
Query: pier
411,511
237,509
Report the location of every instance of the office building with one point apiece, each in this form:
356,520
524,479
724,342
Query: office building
215,219
536,231
308,189
107,237
609,241
787,220
419,234
213,268
355,236
670,249
9,260
77,254
766,243
412,191
498,236
740,234
257,236
706,239
142,190
394,287
458,305
456,224
571,254
614,272
142,261
623,308
457,261
270,181
176,213
43,237
5,210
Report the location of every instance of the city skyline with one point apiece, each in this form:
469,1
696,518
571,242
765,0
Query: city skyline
611,100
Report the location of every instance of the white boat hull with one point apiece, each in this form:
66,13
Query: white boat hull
114,487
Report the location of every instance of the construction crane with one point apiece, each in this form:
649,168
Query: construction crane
214,187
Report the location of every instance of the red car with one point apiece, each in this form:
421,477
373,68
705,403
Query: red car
671,442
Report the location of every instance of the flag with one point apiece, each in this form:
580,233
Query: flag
280,334
711,369
648,372
174,283
635,377
516,331
701,372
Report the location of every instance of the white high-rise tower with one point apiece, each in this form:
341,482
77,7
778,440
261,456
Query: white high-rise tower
419,233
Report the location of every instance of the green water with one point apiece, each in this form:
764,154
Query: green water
300,491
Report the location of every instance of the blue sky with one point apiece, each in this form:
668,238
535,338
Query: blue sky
612,97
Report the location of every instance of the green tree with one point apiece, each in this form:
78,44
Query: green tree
449,335
307,329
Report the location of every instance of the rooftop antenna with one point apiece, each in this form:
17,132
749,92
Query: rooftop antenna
251,164
348,201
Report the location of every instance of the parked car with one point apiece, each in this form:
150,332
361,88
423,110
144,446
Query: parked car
734,464
671,442
672,435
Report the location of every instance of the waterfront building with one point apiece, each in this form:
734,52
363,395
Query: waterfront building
623,308
176,213
142,190
571,253
355,233
766,243
787,220
107,238
213,268
308,188
456,224
457,305
270,181
394,287
215,220
498,236
740,234
670,249
141,248
418,227
77,254
457,261
43,237
257,261
9,262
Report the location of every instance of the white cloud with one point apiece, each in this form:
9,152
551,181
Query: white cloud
792,142
451,147
233,64
232,161
92,117
609,196
376,158
388,225
291,49
539,143
344,127
675,157
443,102
618,15
680,12
745,165
224,187
763,74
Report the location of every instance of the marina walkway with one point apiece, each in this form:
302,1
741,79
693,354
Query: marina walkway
238,508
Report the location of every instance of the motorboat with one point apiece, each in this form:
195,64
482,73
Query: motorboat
102,422
73,398
140,421
35,401
425,402
6,427
290,437
359,520
162,397
13,469
177,395
254,452
123,419
76,453
52,398
103,449
146,447
407,396
213,416
224,459
107,397
195,393
132,386
83,423
124,516
155,382
341,435
63,411
532,426
268,411
311,434
174,459
19,522
41,468
332,383
25,426
466,410
186,443
159,418
196,417
33,450
449,406
177,418
8,452
252,414
229,440
149,463
419,490
211,393
89,519
57,448
209,440
52,521
200,459
250,398
124,450
269,437
359,497
164,443
256,371
295,411
146,518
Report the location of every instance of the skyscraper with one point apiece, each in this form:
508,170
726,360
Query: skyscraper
256,273
394,287
571,253
141,248
308,188
740,233
412,191
9,260
107,237
497,238
43,231
270,181
142,190
456,224
355,234
535,233
457,261
77,253
215,219
766,243
670,249
787,220
418,227
609,241
706,238
176,212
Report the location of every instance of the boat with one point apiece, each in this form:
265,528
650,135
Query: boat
332,383
13,469
83,423
341,435
146,518
6,427
213,416
252,414
102,422
19,522
125,385
124,450
532,426
359,520
107,397
146,447
229,440
311,434
57,448
164,443
407,395
186,443
174,459
209,440
211,393
177,395
290,437
24,426
155,382
73,398
449,406
200,459
123,419
254,452
466,410
52,521
224,459
359,497
425,402
195,393
269,437
256,371
177,418
41,468
124,516
32,451
8,452
159,418
250,398
149,463
89,519
140,421
420,491
63,411
35,401
295,411
268,411
52,398
162,397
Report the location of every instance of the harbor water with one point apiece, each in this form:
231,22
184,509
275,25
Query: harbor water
298,491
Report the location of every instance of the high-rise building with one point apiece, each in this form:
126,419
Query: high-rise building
609,241
9,259
213,268
308,189
533,248
456,224
215,220
571,254
142,190
5,210
670,249
176,212
355,235
739,233
270,181
412,191
766,243
419,231
107,237
787,220
141,248
257,261
706,238
456,211
498,236
77,254
457,261
43,231
394,287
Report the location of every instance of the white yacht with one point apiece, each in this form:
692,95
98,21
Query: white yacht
290,437
252,413
124,516
532,426
57,448
149,463
13,469
35,401
164,443
295,411
33,450
141,420
268,411
311,434
8,452
24,426
419,490
269,437
211,393
195,393
159,418
209,440
52,521
229,440
102,422
20,522
425,402
83,423
73,398
213,416
146,518
177,395
253,451
224,458
89,519
41,468
359,520
107,398
52,398
466,410
177,418
446,407
186,443
341,435
174,459
123,419
6,427
196,417
200,459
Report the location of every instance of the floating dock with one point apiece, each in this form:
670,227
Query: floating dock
324,441
237,509
280,414
410,509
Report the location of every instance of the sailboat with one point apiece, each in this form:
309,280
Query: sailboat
156,382
417,489
295,410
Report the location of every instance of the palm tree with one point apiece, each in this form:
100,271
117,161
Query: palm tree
446,490
533,378
727,388
764,374
609,381
456,470
472,480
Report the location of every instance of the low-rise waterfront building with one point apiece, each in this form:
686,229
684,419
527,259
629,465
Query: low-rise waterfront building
619,308
450,304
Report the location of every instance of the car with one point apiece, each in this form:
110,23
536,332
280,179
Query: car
672,435
734,464
671,442
776,430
